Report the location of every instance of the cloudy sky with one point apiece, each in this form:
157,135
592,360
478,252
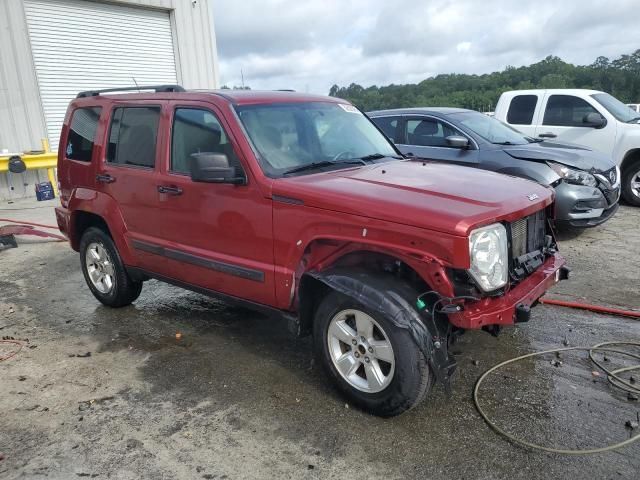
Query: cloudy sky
309,45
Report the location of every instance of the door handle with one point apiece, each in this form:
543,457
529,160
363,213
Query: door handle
105,178
548,135
169,190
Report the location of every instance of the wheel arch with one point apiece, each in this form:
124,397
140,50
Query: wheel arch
313,287
629,158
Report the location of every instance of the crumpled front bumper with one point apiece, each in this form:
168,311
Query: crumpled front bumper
502,310
581,206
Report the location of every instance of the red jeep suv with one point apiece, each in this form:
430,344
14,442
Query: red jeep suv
298,206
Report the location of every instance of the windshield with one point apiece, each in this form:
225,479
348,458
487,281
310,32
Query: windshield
490,129
292,135
615,107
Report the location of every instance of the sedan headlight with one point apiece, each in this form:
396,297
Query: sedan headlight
489,258
570,175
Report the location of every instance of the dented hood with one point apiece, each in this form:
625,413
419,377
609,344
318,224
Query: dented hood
435,196
573,156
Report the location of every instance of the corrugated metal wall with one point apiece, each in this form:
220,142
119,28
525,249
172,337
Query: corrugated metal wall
21,115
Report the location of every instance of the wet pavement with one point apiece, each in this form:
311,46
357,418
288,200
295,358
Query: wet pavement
237,397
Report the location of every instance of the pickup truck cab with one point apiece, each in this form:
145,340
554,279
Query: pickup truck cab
585,117
299,207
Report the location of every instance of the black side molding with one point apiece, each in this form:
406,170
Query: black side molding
289,200
223,267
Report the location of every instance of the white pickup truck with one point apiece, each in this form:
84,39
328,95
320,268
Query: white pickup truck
585,117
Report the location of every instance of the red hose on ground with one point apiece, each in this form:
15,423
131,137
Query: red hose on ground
593,308
22,222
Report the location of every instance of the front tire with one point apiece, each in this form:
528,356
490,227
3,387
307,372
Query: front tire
374,363
104,271
631,184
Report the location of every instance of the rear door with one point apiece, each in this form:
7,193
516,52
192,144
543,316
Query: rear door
426,137
217,236
562,118
130,175
523,111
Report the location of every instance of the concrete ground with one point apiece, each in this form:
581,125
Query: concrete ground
103,393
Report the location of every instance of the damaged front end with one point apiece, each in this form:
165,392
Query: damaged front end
395,300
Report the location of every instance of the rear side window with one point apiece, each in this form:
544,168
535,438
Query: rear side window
197,131
521,109
388,125
82,132
566,111
132,136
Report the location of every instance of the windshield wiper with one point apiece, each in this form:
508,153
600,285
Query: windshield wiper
504,143
634,119
378,156
325,163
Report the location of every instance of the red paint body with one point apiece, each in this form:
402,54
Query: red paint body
420,213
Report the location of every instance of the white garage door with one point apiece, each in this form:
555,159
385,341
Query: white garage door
80,45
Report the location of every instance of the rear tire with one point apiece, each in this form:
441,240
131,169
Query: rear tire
631,184
104,271
398,385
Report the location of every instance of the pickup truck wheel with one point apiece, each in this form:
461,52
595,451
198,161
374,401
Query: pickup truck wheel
104,271
631,184
374,363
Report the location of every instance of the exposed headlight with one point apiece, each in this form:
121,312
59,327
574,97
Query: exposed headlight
570,175
489,258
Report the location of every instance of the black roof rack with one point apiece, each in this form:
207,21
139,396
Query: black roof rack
156,88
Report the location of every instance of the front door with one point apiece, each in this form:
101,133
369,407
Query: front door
426,137
216,236
563,120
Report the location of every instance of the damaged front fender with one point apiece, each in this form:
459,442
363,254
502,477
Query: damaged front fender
395,300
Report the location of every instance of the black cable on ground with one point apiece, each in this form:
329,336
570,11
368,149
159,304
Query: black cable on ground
612,377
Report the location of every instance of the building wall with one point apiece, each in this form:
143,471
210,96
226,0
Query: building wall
22,124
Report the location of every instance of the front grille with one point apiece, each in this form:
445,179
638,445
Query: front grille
528,234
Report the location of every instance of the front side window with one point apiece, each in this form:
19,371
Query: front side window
82,132
429,132
292,135
197,131
566,111
489,128
132,136
521,109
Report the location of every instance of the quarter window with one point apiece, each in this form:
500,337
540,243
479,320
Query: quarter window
428,132
521,109
82,134
566,111
132,136
197,131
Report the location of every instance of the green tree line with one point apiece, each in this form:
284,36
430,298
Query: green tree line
619,77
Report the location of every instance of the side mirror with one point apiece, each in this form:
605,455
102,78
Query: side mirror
212,167
457,141
594,120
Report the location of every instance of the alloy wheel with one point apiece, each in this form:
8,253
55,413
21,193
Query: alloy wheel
360,351
99,267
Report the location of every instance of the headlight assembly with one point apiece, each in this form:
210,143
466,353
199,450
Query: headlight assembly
489,257
570,175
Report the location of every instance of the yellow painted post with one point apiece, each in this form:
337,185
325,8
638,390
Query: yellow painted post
51,172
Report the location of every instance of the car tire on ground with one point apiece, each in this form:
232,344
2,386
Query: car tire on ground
374,363
631,184
104,271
